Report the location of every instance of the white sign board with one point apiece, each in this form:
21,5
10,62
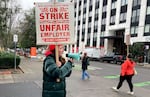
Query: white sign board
128,42
15,38
54,23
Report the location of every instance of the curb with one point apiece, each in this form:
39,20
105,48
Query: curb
5,72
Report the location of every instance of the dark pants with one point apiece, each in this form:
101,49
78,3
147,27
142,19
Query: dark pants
128,78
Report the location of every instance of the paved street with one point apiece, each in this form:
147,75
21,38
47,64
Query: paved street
29,83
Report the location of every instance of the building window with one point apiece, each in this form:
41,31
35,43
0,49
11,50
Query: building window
104,2
148,10
102,34
124,2
135,15
97,5
96,17
104,8
84,10
90,19
89,24
88,35
136,2
95,29
123,17
96,23
103,21
134,30
79,13
147,28
85,1
90,8
79,3
113,5
112,19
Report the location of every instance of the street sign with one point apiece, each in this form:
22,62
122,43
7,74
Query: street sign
15,38
54,23
128,42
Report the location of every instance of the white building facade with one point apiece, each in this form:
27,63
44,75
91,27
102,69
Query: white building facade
105,23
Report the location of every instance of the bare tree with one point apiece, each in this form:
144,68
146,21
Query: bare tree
8,11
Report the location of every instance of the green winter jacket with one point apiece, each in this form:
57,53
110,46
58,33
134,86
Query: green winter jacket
54,84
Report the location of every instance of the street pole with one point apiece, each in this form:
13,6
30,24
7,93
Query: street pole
15,57
15,39
127,50
128,42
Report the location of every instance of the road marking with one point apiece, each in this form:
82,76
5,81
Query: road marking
141,84
112,76
78,67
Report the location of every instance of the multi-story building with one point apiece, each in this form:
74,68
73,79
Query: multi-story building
106,23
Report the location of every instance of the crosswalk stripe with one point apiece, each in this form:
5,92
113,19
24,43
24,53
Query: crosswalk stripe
112,76
141,84
78,67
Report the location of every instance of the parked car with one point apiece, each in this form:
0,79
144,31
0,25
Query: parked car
114,58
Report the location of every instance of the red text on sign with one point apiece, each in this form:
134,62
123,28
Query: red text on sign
54,15
53,27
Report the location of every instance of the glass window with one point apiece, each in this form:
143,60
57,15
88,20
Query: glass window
96,11
113,5
104,8
121,17
83,26
88,36
104,21
132,30
148,10
139,2
84,15
138,12
112,19
137,18
134,13
102,34
147,28
96,23
90,13
95,35
124,2
136,2
136,30
89,24
133,19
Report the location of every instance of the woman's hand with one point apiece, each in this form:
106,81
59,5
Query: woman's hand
70,59
58,63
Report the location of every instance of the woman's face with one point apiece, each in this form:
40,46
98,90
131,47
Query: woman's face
60,49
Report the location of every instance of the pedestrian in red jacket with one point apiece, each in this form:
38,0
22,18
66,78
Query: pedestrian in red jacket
127,72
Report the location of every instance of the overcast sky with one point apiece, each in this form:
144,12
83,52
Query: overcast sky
28,4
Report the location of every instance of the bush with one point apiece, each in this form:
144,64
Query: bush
7,60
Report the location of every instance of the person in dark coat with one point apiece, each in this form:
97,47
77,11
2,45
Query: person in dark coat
85,63
54,73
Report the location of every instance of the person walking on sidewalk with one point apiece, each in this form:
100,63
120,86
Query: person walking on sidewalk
54,73
127,72
85,63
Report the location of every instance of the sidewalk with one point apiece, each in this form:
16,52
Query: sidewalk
144,65
96,86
